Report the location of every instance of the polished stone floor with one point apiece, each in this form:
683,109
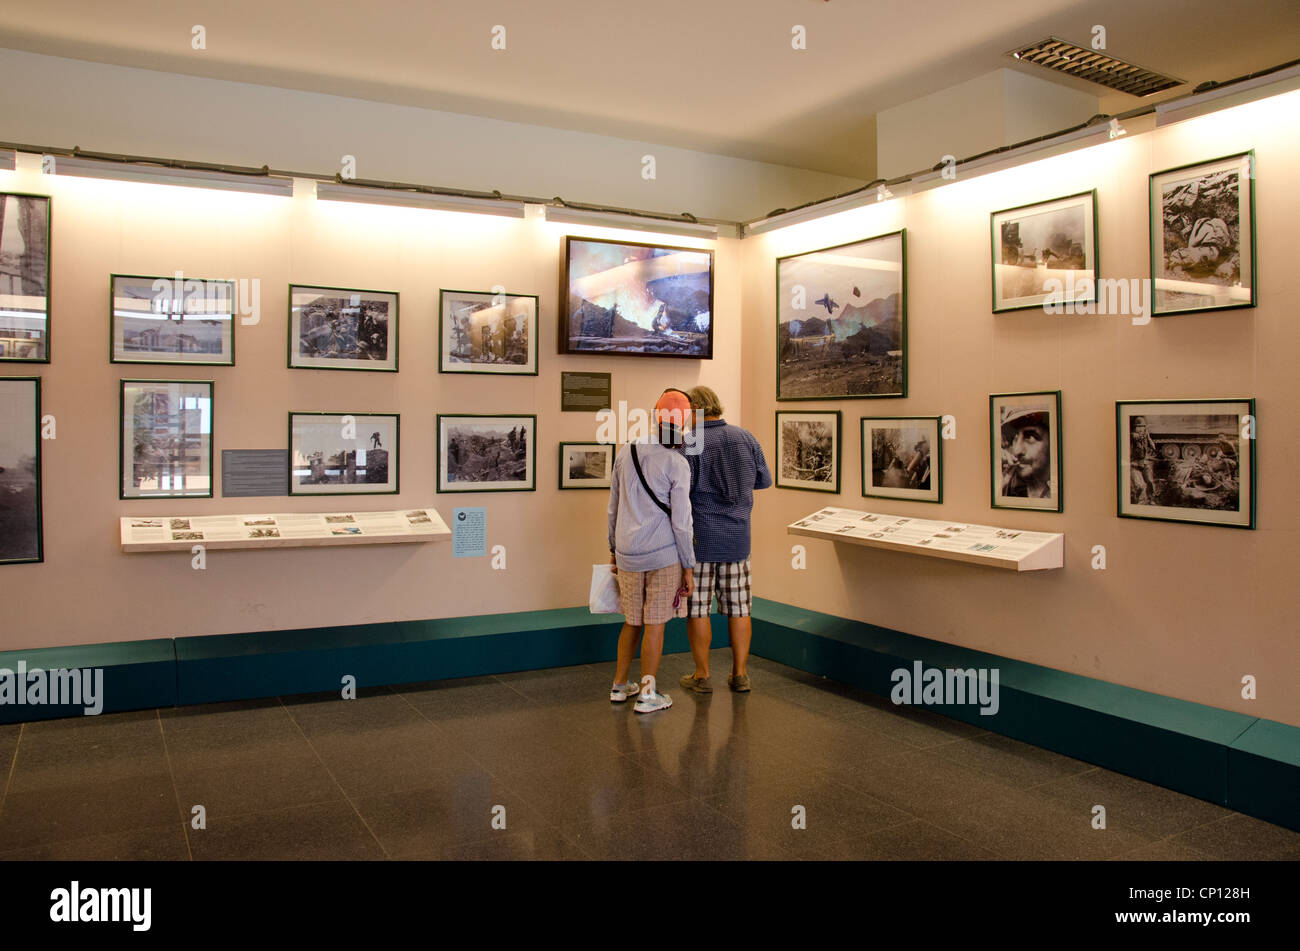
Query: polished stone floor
423,771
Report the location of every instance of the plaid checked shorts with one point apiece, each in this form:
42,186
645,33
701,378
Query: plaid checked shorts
729,580
647,596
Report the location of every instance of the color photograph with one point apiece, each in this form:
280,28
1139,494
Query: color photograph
842,321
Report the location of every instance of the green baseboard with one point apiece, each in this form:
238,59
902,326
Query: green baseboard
134,675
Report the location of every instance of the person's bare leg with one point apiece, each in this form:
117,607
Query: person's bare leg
700,635
652,648
740,630
628,639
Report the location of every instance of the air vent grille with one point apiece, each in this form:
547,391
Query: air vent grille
1094,66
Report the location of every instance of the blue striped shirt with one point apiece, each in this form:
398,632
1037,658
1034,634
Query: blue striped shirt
724,475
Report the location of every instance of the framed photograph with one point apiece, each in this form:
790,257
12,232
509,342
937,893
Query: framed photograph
1025,451
487,453
808,451
1188,461
841,317
166,447
586,465
334,328
344,453
488,333
1045,253
21,540
642,300
902,458
171,320
24,278
1203,236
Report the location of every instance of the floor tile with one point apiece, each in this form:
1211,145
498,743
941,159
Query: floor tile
915,841
92,805
323,832
235,784
1133,804
1241,838
1010,761
165,844
690,831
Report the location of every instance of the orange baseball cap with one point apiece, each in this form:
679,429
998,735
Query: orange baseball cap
673,407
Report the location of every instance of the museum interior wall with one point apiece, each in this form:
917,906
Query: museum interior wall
1181,609
51,101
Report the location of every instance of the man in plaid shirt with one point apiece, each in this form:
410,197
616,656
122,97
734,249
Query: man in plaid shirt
724,476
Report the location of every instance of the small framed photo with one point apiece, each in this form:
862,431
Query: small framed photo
1190,461
21,539
1025,451
488,333
841,321
166,446
1203,236
334,328
586,465
902,458
171,320
487,453
1045,254
344,453
808,451
644,300
24,278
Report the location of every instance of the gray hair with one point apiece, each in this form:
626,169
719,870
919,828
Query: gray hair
706,401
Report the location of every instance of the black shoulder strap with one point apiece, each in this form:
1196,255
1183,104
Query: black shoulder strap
649,491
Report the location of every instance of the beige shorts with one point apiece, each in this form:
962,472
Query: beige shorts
647,596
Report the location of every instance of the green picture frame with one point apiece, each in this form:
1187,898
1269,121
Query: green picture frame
810,465
488,336
1023,472
178,455
464,442
326,460
119,312
1064,229
567,478
915,474
343,336
1199,243
22,528
1196,466
35,269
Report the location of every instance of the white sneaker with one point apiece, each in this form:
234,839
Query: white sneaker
621,692
649,701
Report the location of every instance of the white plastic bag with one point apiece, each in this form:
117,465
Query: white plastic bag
604,590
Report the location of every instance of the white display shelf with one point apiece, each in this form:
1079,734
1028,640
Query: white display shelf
294,530
1008,548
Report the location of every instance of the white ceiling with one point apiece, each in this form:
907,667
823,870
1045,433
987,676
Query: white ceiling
714,75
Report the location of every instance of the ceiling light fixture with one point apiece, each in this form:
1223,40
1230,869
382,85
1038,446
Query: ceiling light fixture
161,172
1094,66
415,196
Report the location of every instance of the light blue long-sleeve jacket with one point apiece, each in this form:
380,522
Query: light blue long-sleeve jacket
640,534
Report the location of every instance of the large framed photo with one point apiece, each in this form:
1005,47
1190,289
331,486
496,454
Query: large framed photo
20,470
344,453
487,453
902,458
586,465
1203,236
841,317
1025,451
1188,461
166,447
808,451
24,278
645,300
487,333
334,328
1045,253
176,320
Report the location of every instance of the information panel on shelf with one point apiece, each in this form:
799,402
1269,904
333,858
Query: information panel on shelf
297,530
1010,548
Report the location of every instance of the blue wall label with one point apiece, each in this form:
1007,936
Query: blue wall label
469,533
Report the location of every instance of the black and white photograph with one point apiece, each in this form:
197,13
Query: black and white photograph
25,278
1025,451
343,454
488,333
586,465
172,320
808,451
636,299
487,453
1203,236
21,538
841,317
902,458
1187,461
336,328
166,447
1045,253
